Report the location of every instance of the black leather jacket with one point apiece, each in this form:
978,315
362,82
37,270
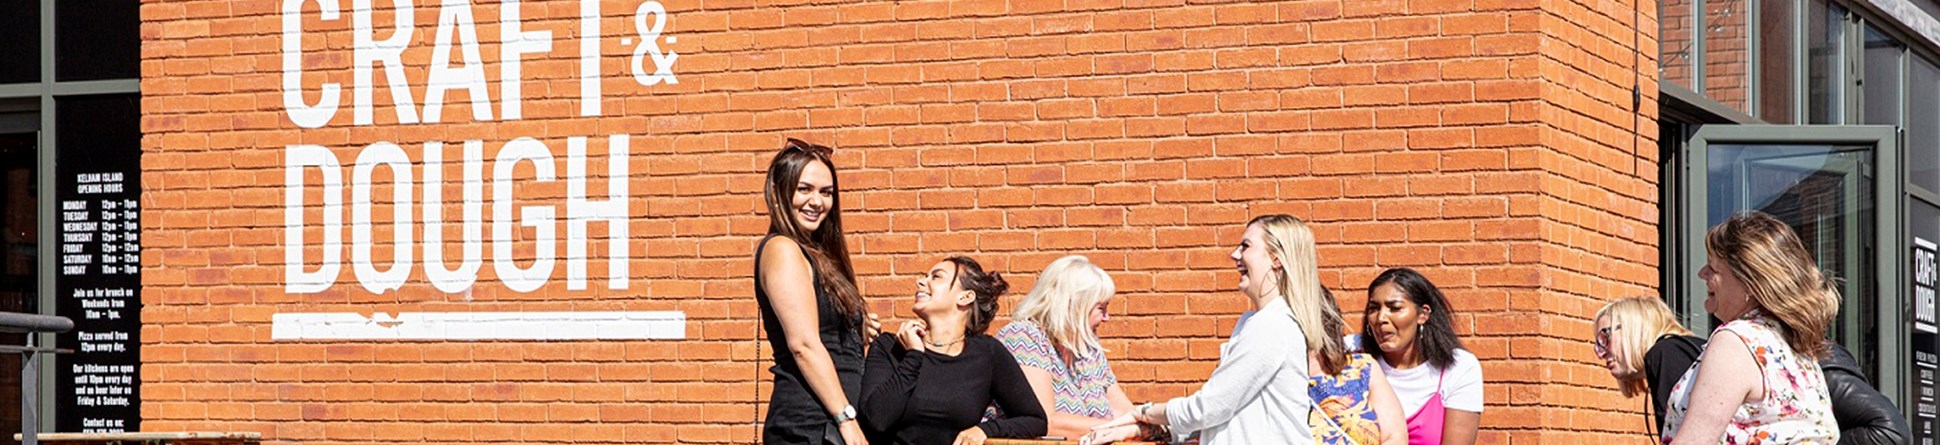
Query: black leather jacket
1865,416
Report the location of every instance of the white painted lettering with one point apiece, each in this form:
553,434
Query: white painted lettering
303,114
390,156
612,211
390,52
297,159
537,217
515,42
470,77
453,280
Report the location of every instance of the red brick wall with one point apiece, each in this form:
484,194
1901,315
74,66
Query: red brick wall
1488,143
1599,218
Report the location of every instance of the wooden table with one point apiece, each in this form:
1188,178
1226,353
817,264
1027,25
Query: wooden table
1073,441
183,438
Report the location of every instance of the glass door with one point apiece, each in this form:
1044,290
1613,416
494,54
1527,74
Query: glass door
19,250
1838,187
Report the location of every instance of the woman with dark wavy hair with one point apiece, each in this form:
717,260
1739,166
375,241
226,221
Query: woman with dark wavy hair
1409,329
810,308
930,382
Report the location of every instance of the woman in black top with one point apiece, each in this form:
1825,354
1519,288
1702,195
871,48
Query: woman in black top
930,382
1624,329
809,304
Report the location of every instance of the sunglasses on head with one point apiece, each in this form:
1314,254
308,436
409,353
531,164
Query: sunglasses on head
810,148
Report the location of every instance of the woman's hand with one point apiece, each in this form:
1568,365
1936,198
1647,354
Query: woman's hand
911,335
852,433
871,327
1121,420
1105,435
970,436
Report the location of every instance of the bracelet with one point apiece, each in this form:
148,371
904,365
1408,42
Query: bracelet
1141,416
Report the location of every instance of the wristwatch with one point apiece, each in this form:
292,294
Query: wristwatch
847,414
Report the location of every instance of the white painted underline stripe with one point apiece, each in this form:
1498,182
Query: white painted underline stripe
646,325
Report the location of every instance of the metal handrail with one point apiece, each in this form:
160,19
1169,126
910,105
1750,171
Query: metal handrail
31,324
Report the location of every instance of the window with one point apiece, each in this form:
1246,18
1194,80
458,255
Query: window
1777,32
1880,86
1825,51
1727,61
96,40
1674,30
1923,123
20,28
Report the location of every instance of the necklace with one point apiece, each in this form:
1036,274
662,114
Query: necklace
944,344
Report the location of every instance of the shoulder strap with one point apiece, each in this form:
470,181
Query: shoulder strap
1656,436
1333,427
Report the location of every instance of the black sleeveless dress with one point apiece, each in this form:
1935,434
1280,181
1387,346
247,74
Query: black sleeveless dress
795,415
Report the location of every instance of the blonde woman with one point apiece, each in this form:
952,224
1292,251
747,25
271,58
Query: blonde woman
1759,378
1258,393
1054,336
1645,349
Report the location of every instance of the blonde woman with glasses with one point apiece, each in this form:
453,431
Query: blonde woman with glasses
1644,348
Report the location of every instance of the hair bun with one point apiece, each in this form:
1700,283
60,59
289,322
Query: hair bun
996,284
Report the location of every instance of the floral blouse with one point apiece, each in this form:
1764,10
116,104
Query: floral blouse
1797,408
1344,399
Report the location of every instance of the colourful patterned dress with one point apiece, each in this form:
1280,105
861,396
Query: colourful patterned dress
1344,399
1797,408
1078,388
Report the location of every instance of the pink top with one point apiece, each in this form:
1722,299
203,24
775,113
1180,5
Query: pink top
1425,427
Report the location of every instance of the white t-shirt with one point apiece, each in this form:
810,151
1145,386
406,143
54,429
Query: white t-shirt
1461,385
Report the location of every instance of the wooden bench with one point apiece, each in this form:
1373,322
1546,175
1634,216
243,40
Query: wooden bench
187,438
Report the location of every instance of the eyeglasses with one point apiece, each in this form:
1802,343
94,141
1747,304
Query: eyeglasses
1602,344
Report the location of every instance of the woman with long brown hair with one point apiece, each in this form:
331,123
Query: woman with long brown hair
1758,379
814,316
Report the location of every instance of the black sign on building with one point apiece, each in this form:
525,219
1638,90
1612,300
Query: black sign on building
98,283
1926,360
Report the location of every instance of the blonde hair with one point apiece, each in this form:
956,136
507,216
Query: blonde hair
1640,321
1779,276
1292,243
1061,303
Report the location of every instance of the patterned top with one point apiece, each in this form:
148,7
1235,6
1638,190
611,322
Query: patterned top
1344,399
1797,408
1078,388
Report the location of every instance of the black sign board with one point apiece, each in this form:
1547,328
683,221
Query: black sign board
98,283
1926,361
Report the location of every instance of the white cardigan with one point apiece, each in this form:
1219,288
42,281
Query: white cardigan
1258,394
